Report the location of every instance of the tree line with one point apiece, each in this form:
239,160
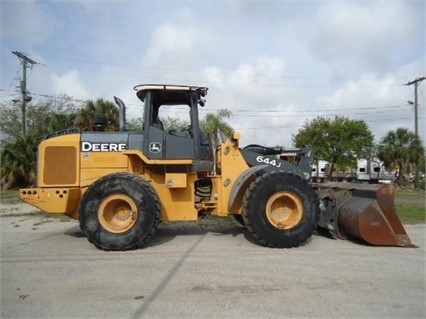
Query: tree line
339,141
342,141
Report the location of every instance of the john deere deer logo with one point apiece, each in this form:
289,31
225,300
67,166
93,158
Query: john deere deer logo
155,147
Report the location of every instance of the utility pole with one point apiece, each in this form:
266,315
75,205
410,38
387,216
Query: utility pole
416,83
26,62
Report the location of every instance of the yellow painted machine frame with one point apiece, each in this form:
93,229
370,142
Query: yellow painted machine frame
175,190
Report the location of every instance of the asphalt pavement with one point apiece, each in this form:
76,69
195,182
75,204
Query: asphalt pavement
206,269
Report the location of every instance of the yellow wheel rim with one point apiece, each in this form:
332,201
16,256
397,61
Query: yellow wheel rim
118,213
284,210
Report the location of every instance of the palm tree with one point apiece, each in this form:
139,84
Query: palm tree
218,129
19,162
400,148
85,115
49,121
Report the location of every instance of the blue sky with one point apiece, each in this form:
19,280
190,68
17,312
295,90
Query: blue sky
274,64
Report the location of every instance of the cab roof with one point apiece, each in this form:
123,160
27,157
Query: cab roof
169,93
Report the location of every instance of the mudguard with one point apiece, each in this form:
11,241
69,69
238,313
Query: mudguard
259,168
274,163
242,182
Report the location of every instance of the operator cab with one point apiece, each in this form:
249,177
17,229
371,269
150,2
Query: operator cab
162,142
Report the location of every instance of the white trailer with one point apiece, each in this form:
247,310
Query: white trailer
320,171
372,171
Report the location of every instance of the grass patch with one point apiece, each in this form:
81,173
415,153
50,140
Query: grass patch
411,206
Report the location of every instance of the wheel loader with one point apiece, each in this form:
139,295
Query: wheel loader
121,185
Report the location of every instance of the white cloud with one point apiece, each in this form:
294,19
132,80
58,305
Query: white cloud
255,104
171,45
69,83
261,73
215,76
248,81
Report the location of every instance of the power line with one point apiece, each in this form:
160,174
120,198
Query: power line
167,68
172,78
299,126
251,113
320,110
318,114
225,72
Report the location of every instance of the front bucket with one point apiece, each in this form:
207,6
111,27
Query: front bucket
366,212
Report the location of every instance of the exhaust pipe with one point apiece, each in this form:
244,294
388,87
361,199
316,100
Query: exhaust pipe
121,113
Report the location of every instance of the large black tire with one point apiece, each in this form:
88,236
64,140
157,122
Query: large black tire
119,212
280,209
